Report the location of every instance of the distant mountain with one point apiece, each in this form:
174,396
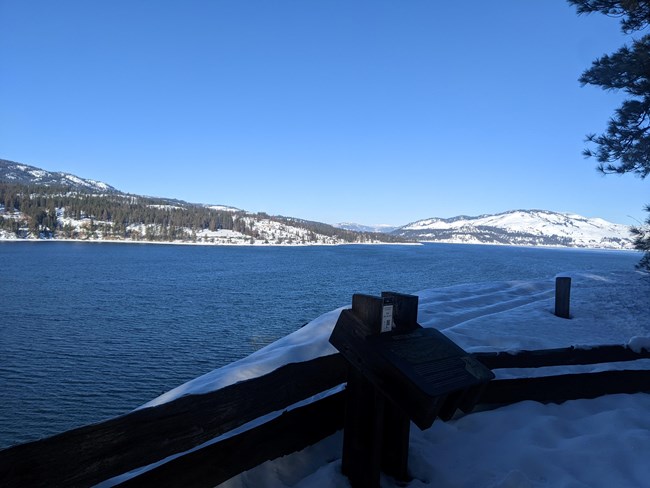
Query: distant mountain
521,227
23,174
36,204
381,228
39,204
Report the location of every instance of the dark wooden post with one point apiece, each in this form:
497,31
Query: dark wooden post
397,424
364,409
362,431
376,431
562,297
395,444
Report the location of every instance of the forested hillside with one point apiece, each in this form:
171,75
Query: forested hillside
38,211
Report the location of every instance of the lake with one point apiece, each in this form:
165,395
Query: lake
89,331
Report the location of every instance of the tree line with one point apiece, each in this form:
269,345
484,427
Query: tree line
124,216
39,205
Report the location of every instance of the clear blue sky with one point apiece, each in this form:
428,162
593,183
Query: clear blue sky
369,111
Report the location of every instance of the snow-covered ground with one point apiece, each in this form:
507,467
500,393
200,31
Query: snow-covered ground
604,442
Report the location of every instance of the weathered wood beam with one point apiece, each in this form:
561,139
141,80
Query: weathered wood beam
90,454
559,357
291,432
560,388
295,430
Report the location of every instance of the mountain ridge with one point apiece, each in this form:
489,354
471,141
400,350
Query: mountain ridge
380,228
223,224
39,204
19,173
521,227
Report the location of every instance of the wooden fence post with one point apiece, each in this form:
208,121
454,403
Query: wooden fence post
364,410
399,372
562,297
397,425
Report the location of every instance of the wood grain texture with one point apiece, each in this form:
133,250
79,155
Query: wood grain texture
561,388
560,357
90,454
292,431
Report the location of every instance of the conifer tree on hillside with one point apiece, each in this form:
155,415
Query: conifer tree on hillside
625,146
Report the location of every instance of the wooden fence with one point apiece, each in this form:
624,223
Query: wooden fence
94,453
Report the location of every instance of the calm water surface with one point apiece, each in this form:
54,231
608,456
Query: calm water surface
92,330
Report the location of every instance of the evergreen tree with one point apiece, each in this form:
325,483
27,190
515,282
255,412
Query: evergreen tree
625,146
642,241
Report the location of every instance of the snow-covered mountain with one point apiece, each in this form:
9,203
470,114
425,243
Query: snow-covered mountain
23,174
522,227
519,227
380,228
40,204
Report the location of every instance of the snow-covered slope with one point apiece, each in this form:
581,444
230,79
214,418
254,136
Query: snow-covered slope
225,208
382,228
170,220
522,227
519,227
13,172
262,231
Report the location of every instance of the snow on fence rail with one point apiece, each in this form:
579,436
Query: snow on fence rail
92,454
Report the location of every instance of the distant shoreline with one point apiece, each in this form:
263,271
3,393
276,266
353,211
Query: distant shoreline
213,244
320,244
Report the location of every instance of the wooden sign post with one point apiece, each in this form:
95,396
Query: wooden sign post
399,372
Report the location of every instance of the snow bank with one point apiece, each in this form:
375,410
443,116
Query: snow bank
638,344
308,342
492,316
604,442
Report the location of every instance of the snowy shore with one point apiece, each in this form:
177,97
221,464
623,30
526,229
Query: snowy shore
239,242
603,442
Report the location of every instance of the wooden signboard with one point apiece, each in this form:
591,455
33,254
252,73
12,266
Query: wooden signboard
399,372
421,368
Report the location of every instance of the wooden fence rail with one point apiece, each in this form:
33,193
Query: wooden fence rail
91,454
560,357
562,387
292,431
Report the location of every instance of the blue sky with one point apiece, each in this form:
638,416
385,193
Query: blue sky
369,111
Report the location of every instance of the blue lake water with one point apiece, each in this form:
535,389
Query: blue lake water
89,331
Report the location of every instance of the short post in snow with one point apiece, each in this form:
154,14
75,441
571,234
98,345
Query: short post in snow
562,296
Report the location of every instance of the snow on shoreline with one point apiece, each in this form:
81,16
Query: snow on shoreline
564,231
602,442
257,243
491,316
262,232
10,237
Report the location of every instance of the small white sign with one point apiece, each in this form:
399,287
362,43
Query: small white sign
387,318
